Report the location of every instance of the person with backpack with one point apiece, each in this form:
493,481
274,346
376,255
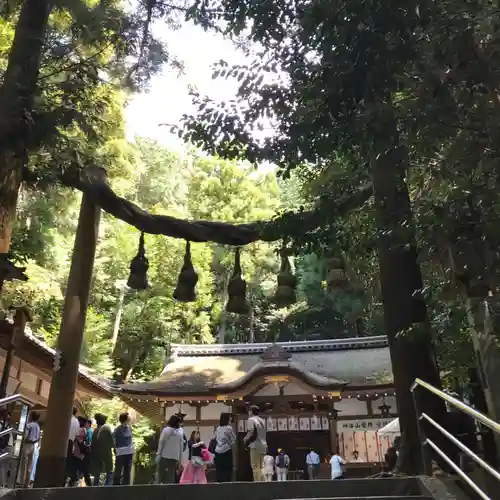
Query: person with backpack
81,449
282,463
101,451
255,439
313,464
31,438
124,451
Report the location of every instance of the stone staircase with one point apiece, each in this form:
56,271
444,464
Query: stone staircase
352,489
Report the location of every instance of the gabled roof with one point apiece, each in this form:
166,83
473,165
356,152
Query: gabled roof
99,384
220,369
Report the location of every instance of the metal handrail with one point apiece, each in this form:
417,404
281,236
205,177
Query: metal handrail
491,424
10,430
494,426
15,398
458,470
464,448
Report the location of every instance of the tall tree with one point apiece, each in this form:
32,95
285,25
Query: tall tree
46,83
340,74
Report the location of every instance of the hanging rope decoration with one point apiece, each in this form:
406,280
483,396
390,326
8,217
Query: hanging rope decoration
138,279
236,290
287,283
185,291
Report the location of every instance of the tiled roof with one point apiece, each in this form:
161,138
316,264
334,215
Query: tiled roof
203,369
291,347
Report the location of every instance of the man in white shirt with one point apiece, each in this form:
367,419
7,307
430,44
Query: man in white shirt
336,463
312,461
74,428
184,441
31,438
255,439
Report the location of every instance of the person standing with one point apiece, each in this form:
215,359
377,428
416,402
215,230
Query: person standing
32,437
225,439
194,469
282,464
170,450
184,442
391,458
86,459
313,464
36,454
5,446
255,439
101,451
124,451
81,448
336,463
74,427
268,468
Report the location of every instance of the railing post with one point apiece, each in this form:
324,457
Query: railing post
424,456
21,480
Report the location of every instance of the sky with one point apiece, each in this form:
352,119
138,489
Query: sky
168,96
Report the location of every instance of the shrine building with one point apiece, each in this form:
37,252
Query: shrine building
322,394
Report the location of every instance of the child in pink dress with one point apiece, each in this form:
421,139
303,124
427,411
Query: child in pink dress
194,468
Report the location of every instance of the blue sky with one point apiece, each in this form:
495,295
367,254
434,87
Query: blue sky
168,98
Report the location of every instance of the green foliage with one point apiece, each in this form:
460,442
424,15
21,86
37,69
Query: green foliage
193,186
348,85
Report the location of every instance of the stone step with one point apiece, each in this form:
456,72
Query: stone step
398,497
346,489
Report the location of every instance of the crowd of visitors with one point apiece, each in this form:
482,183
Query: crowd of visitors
97,452
91,449
94,449
173,443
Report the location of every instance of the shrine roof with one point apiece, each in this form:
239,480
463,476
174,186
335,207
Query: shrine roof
42,353
223,369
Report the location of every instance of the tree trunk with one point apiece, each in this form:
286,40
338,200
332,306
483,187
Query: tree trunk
118,318
472,264
405,316
17,95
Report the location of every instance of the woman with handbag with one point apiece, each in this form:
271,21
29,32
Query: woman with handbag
223,449
194,468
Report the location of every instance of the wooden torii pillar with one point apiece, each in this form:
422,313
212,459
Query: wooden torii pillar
52,462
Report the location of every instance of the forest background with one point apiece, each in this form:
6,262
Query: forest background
193,185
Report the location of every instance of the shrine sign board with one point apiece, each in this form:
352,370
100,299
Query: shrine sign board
366,424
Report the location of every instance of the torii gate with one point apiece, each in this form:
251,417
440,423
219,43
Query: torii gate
98,194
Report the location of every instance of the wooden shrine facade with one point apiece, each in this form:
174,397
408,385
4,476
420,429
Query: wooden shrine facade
326,394
31,371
